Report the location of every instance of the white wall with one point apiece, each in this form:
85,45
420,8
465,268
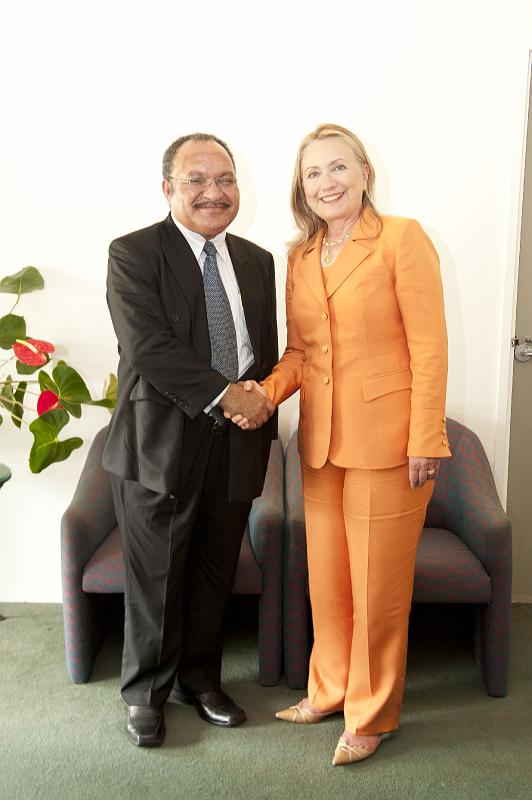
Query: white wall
96,92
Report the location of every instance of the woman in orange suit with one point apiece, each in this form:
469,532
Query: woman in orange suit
367,348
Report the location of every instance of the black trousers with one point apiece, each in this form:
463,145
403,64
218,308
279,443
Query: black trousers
180,559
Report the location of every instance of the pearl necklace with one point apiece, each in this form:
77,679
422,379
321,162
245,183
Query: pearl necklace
329,243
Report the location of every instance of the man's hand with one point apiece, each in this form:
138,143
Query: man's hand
240,419
245,405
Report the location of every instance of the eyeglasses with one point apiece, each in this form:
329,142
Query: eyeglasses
225,182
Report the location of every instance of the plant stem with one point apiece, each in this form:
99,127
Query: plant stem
22,421
18,298
16,382
33,394
18,379
15,403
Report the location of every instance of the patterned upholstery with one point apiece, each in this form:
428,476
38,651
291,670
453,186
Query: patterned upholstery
93,567
464,556
447,571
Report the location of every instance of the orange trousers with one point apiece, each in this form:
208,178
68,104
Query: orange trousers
362,532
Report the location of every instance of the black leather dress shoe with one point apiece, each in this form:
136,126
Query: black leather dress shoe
215,707
145,725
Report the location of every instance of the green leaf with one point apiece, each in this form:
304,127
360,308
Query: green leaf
47,449
105,402
13,400
6,394
46,383
12,328
18,410
71,388
111,389
1,419
26,369
25,280
70,383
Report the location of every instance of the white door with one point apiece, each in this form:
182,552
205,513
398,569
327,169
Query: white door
519,504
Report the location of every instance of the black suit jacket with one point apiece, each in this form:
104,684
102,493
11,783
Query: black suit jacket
157,303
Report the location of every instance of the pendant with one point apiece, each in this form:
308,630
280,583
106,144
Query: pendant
327,257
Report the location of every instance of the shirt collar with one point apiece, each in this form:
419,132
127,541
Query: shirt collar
197,241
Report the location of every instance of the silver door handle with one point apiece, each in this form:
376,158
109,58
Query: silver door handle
522,348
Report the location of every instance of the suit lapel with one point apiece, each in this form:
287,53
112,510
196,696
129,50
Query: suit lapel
251,289
351,257
186,269
355,250
310,269
182,261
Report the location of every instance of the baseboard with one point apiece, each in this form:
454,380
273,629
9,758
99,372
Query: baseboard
522,598
34,593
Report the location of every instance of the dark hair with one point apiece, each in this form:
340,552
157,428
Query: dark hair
169,153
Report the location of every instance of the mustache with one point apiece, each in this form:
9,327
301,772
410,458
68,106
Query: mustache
212,204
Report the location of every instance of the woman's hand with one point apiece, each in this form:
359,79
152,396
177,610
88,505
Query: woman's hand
238,419
421,470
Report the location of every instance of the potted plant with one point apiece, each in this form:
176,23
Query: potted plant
33,384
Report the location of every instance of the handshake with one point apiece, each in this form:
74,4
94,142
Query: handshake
247,405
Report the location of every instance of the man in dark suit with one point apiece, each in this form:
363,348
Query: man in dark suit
194,310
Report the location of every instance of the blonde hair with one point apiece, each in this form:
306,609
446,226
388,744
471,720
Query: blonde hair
307,222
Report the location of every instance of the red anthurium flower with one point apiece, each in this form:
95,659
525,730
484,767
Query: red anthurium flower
47,401
32,351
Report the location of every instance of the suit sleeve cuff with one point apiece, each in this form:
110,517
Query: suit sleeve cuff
216,400
428,434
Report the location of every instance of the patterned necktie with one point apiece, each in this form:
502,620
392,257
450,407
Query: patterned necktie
222,333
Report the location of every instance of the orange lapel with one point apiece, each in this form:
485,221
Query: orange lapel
353,253
310,268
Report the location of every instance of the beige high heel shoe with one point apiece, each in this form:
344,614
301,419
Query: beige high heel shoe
345,754
302,715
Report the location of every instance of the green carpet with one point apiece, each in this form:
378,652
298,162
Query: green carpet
60,741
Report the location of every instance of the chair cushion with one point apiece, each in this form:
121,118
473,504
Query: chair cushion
447,571
104,573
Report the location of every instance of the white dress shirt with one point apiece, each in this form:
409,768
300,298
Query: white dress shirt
230,283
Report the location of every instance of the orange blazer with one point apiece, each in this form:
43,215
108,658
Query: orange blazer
367,347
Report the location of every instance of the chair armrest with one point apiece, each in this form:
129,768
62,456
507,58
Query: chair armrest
91,515
472,507
296,539
266,518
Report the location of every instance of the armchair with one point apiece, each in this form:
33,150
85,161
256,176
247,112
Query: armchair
464,556
93,568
